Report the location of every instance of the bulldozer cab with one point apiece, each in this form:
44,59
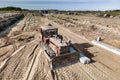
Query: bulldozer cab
49,31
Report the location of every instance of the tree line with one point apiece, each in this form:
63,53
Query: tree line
9,8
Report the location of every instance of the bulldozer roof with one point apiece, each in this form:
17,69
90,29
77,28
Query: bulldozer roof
48,27
58,42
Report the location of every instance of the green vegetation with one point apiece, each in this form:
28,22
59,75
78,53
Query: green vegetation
110,13
10,8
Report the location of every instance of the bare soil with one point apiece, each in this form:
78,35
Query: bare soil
22,58
90,27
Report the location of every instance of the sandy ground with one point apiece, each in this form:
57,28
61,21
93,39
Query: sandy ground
91,27
24,58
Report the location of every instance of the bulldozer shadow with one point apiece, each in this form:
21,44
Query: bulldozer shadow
73,58
84,49
65,60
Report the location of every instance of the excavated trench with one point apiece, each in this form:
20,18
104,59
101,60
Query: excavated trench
5,23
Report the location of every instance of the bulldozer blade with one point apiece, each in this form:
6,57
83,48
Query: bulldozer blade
64,60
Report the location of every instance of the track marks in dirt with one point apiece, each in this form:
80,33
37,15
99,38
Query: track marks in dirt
66,74
5,52
101,67
94,72
72,72
43,72
30,63
16,65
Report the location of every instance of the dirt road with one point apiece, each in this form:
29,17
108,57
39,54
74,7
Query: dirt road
27,61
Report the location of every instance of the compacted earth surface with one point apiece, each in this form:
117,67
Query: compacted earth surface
91,27
22,57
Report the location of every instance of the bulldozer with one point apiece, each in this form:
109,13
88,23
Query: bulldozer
59,53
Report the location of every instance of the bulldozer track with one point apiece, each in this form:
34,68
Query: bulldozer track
31,65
